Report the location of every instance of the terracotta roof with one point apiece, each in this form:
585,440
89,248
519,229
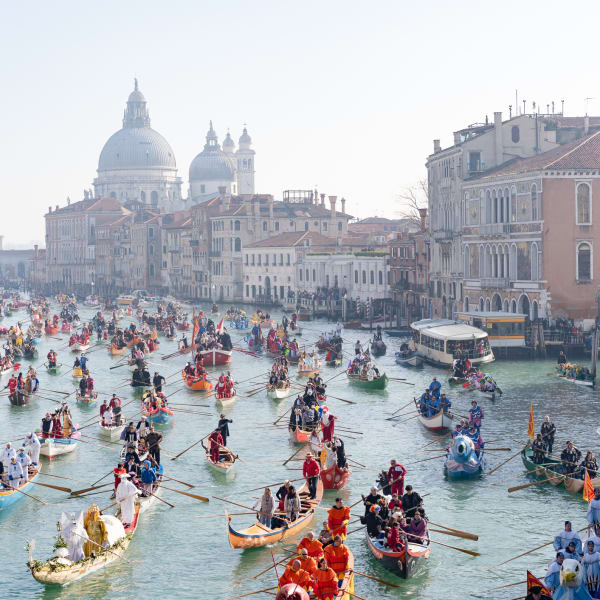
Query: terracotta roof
91,204
294,238
580,154
379,221
177,220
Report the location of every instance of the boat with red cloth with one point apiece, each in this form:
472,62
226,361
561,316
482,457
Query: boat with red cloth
406,563
215,357
334,478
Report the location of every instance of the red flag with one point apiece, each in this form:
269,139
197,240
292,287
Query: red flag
531,428
195,330
532,580
588,488
220,326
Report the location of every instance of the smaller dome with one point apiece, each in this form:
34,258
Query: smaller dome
213,166
245,138
228,143
136,95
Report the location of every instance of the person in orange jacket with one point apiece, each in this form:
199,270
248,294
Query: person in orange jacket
312,544
337,556
307,563
295,574
326,581
339,517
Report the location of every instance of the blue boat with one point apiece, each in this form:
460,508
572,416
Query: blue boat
8,497
462,461
240,323
160,415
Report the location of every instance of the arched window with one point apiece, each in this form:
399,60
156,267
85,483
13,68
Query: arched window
515,134
488,207
314,275
236,225
306,226
300,273
355,276
364,277
307,278
466,304
584,262
238,245
534,201
372,277
151,250
534,262
513,306
481,301
339,225
584,209
513,204
154,198
380,277
265,226
143,197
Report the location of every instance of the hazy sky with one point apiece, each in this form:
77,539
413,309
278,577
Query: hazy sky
347,96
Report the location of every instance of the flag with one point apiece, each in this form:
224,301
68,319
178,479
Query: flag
195,330
531,428
588,488
532,580
220,326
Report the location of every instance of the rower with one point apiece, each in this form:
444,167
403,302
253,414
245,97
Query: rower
475,414
593,513
569,457
326,580
539,451
445,403
223,428
434,387
396,474
371,499
339,517
295,574
311,470
548,431
535,593
565,537
411,501
417,529
337,556
311,544
570,552
475,437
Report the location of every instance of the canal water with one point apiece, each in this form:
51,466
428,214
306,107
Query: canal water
177,554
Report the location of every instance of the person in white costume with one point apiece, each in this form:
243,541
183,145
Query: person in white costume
33,442
74,534
5,457
126,494
24,460
15,473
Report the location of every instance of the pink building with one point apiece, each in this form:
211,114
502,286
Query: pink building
530,243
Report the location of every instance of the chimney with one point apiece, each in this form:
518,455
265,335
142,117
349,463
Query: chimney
456,138
343,206
498,138
322,199
437,147
423,215
586,125
57,207
49,209
270,205
332,201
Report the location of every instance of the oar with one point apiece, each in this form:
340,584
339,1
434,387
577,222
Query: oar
189,447
54,487
403,407
223,514
464,550
292,456
283,415
178,481
270,485
355,462
196,496
465,534
503,463
374,578
103,477
287,558
61,477
159,498
26,494
59,392
426,459
526,485
235,504
97,487
252,593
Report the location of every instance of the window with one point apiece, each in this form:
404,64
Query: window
380,277
266,260
238,245
306,226
372,277
154,199
364,277
247,291
355,276
474,161
276,225
515,134
513,204
236,227
307,278
151,270
274,259
151,233
265,226
314,275
325,226
151,250
259,259
246,264
300,273
534,199
202,189
287,262
253,259
584,209
143,197
584,262
339,225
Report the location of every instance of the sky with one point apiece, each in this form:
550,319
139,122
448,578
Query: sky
343,96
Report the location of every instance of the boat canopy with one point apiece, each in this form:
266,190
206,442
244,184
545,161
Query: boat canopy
445,329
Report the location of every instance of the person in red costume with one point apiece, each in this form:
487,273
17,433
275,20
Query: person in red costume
216,441
396,474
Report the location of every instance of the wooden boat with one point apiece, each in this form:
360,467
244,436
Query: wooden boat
336,362
66,328
86,398
406,563
226,463
52,447
110,432
53,370
78,347
51,330
114,350
299,435
551,472
215,357
452,380
334,478
30,354
440,422
19,398
133,341
225,400
77,372
259,535
462,462
585,382
378,347
197,384
410,360
275,393
160,415
304,315
8,496
125,300
377,383
308,372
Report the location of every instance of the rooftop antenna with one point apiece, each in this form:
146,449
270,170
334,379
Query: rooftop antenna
547,109
552,106
524,110
510,111
562,110
586,105
516,101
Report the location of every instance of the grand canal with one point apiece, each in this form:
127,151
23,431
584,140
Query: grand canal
177,554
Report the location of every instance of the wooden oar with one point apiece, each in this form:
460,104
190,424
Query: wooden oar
190,447
61,477
465,534
501,587
374,578
54,487
283,415
503,463
59,392
526,485
235,504
25,493
292,456
355,462
196,496
103,477
287,558
159,498
270,485
178,481
252,593
464,550
223,514
426,459
97,487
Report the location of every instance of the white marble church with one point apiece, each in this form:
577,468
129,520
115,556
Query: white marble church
137,163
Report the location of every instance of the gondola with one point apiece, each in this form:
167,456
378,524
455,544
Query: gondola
53,447
442,421
110,432
377,383
55,370
378,348
114,350
299,435
19,398
334,478
275,393
410,359
10,496
406,563
226,463
51,330
87,397
214,357
197,384
160,415
259,535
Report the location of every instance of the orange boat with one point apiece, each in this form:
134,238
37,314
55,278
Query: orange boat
334,478
300,436
260,535
114,350
134,341
196,383
51,330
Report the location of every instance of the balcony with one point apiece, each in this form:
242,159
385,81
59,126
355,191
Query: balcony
443,235
500,283
214,253
494,229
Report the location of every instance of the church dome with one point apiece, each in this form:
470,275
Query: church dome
137,145
245,139
212,163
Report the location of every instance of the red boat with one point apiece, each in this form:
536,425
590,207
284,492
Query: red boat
214,357
334,478
182,326
51,330
300,436
405,563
